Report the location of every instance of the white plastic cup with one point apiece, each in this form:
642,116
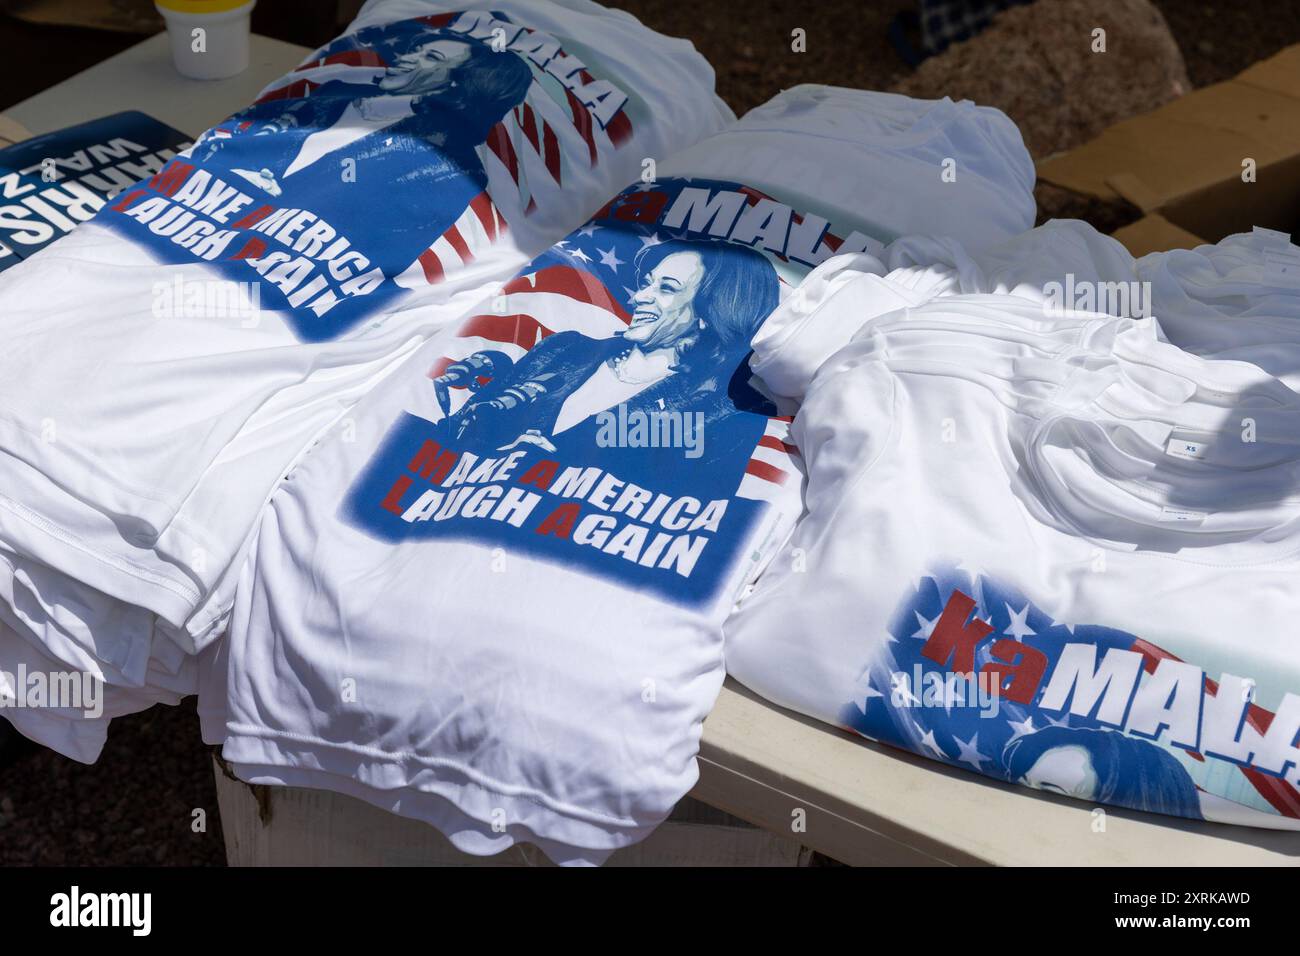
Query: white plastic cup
221,50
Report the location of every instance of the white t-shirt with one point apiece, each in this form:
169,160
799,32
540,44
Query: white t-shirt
1238,299
1056,261
1106,546
69,709
881,163
518,572
166,362
509,622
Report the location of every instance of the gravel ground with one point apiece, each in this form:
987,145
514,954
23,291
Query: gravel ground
136,805
847,44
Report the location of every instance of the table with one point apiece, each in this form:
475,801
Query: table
868,804
855,801
143,78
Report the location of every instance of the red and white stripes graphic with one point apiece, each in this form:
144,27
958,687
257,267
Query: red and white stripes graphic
524,154
533,143
293,90
346,58
1279,794
530,308
773,470
478,228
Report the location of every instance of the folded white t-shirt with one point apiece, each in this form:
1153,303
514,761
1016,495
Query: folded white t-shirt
1236,299
1074,575
848,293
906,166
1239,298
496,603
147,430
69,709
368,198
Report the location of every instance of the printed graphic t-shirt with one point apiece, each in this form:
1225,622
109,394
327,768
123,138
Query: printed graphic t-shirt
1079,581
521,561
531,544
165,362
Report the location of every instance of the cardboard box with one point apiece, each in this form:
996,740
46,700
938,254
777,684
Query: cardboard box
1182,164
11,131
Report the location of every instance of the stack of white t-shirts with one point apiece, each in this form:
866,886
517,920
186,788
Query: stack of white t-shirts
840,299
1071,569
1063,263
165,363
495,604
1237,299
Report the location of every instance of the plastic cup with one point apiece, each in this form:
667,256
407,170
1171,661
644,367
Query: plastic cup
221,50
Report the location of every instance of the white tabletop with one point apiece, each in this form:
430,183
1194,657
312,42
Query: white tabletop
864,803
143,78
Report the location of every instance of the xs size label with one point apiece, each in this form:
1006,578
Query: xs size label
1183,448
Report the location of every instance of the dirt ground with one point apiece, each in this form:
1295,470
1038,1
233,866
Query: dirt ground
847,42
136,806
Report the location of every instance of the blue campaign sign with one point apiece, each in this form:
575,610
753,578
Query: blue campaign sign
51,183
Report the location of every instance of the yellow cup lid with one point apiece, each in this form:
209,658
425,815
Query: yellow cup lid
200,6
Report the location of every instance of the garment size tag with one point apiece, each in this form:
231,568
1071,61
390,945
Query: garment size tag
1191,450
1274,237
1282,268
1215,395
1181,515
